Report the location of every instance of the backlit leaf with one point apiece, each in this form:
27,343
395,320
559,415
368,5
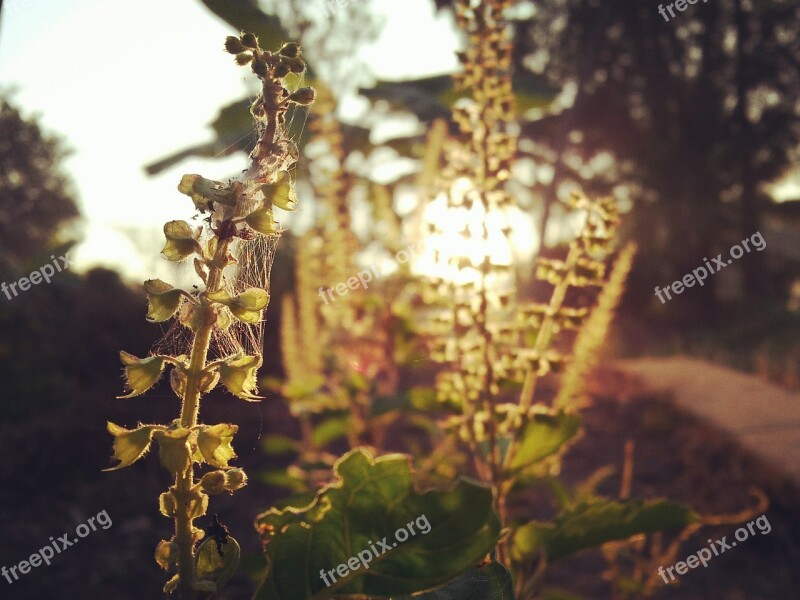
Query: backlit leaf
217,563
141,373
544,436
238,374
130,444
595,522
173,449
214,442
163,300
181,241
369,500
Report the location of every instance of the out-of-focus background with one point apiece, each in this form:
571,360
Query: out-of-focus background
691,124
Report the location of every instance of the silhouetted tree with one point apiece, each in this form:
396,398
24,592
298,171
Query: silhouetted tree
36,199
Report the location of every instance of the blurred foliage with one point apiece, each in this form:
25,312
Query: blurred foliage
36,198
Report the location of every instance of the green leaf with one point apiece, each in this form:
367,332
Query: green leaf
247,306
214,442
141,373
166,554
130,444
164,300
238,374
281,193
173,449
544,436
590,524
370,500
217,563
181,242
276,443
280,478
202,191
330,429
490,582
262,221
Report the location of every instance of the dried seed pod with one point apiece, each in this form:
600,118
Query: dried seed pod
260,68
303,96
233,45
249,40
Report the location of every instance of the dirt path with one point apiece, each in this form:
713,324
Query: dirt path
764,417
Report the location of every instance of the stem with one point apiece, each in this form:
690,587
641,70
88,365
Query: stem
542,342
190,408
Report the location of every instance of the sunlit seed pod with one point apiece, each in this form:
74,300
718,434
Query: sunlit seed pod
249,40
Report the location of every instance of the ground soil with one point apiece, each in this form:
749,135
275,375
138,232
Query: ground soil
52,482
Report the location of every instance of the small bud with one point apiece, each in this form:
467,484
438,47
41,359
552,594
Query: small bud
260,68
249,40
303,96
243,58
296,65
235,479
214,482
281,70
233,45
291,49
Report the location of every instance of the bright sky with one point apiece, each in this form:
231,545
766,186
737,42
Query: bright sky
125,83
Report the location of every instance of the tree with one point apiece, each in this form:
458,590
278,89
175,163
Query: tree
700,111
36,198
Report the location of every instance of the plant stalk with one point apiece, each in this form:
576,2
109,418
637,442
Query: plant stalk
190,409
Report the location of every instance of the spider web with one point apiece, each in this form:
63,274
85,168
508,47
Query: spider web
255,258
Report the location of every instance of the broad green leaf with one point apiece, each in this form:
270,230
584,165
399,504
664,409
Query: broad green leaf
590,524
281,193
490,582
141,373
214,443
238,374
544,436
369,501
173,449
181,242
164,300
217,563
262,221
130,444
